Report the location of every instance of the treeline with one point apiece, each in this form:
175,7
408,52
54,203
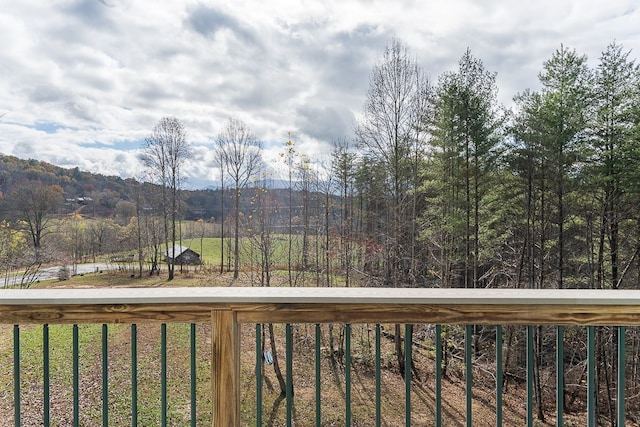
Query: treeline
462,192
443,186
456,190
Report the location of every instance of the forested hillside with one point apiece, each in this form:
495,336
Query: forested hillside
105,192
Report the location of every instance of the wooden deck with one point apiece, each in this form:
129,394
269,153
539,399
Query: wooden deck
323,305
226,307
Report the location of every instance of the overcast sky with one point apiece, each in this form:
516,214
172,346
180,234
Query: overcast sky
82,82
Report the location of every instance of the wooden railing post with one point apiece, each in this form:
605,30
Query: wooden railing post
225,369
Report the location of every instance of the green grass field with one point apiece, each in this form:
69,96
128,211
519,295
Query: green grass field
210,250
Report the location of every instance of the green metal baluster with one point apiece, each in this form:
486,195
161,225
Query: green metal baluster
438,375
134,375
407,374
378,379
347,375
46,383
16,374
76,377
530,376
468,373
105,376
499,376
194,377
620,409
318,382
163,374
258,375
560,376
591,377
289,355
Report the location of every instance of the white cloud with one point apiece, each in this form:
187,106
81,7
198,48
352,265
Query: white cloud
102,73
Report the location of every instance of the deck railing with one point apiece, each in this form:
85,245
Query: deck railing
227,308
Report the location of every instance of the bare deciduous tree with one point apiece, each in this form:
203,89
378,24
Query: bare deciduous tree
165,151
34,203
343,167
241,157
393,110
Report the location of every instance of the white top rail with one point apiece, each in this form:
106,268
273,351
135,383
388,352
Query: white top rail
314,295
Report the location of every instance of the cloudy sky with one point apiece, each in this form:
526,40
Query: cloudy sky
82,82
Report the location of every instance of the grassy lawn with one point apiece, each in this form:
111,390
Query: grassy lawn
211,248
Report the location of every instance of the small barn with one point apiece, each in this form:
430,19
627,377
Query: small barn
182,255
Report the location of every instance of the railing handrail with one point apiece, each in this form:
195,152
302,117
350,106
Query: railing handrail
322,305
226,307
333,295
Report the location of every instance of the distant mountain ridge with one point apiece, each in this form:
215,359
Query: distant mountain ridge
100,195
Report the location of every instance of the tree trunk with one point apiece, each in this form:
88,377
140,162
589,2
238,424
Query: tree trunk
399,351
276,364
236,236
